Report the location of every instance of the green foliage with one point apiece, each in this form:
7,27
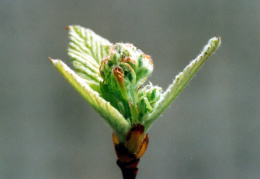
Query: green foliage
111,115
110,78
123,71
181,80
87,50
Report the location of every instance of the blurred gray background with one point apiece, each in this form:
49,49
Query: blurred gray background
212,130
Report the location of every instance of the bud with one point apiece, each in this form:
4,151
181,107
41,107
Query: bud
125,69
147,98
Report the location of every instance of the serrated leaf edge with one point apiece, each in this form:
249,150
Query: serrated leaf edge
181,80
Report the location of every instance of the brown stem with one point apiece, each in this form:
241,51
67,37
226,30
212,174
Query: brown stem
129,169
130,152
127,162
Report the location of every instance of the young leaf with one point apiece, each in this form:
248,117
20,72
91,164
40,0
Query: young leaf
181,80
111,115
87,50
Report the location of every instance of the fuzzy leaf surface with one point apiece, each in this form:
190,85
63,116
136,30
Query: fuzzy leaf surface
111,115
181,80
87,50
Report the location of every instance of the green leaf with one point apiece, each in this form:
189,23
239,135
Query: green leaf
87,50
181,80
111,115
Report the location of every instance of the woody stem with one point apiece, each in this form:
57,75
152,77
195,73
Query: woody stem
130,152
129,170
128,163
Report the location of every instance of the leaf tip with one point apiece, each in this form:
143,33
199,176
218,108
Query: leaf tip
219,41
50,60
216,41
53,61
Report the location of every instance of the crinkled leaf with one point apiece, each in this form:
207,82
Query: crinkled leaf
181,80
87,50
111,115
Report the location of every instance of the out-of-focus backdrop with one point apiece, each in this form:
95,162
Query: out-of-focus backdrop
212,130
